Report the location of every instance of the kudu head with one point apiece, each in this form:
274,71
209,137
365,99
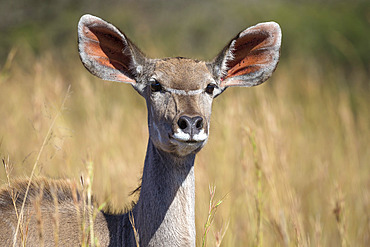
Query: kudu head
179,91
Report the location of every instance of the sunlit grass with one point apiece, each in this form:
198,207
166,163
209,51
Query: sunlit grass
310,138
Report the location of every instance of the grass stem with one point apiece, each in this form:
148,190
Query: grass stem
211,213
258,197
21,214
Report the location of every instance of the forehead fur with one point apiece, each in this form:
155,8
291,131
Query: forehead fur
182,73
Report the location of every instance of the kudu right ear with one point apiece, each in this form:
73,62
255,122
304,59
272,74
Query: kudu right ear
106,52
250,58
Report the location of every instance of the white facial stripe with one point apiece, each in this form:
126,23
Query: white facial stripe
184,92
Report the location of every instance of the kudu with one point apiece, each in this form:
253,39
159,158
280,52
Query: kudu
179,94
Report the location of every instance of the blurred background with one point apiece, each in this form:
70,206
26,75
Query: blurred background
305,182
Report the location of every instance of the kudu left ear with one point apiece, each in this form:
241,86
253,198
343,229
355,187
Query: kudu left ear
250,58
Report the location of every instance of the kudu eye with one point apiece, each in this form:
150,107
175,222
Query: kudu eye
210,87
155,86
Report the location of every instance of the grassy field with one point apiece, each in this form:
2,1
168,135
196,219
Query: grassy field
290,158
307,180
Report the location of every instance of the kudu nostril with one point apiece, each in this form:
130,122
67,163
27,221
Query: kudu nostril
183,122
190,125
198,122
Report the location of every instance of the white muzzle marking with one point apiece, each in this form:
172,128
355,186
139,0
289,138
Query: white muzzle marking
201,136
181,136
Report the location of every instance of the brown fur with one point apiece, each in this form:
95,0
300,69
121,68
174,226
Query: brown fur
54,212
64,191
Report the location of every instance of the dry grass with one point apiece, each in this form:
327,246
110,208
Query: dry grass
310,186
213,205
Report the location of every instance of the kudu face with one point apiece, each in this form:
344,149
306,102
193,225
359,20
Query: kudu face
179,91
179,98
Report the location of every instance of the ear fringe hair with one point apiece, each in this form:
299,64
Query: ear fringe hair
228,56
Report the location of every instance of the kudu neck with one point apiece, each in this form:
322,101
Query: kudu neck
164,213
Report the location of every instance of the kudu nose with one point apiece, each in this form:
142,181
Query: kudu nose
190,125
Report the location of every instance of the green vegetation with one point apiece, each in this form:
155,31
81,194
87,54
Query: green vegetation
292,155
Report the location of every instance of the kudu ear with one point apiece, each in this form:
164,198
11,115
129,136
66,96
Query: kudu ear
250,58
106,52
